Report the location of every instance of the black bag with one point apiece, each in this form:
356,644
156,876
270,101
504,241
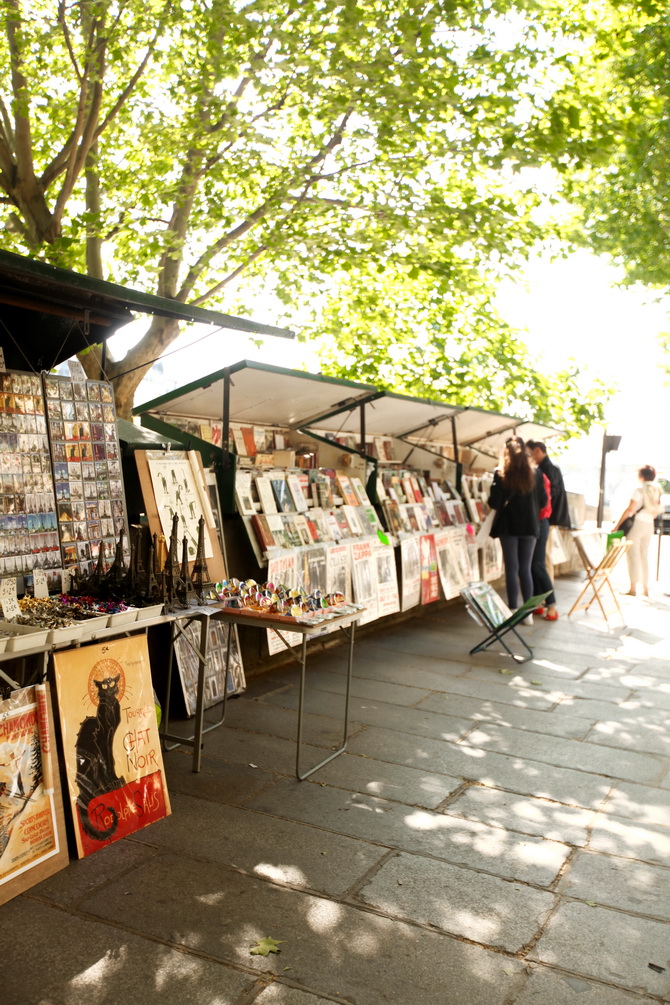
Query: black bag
625,525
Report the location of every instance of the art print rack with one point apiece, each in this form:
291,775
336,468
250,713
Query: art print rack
28,514
86,460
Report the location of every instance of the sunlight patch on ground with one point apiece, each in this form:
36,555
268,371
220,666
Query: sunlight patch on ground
211,899
281,873
176,966
99,973
324,915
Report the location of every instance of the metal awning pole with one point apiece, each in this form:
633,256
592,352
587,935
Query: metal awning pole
362,409
225,434
459,467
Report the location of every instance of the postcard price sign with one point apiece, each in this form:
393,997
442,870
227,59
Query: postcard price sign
113,761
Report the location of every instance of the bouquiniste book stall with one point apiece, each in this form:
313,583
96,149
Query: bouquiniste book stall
327,480
72,579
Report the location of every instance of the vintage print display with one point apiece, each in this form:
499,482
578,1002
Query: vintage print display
186,650
411,572
87,469
29,828
176,493
28,513
283,569
364,578
111,747
388,596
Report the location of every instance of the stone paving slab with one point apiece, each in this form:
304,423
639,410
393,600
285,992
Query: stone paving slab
457,840
500,771
647,737
427,673
641,803
257,750
390,781
617,836
618,882
61,959
608,945
568,824
334,683
482,908
294,854
332,949
631,711
419,722
275,721
533,668
482,710
549,987
86,874
579,755
281,994
519,695
217,780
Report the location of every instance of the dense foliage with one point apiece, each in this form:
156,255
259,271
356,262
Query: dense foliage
354,154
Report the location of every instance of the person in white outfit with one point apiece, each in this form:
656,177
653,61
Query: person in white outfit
644,506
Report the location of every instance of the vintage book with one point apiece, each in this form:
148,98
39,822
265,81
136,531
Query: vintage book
443,513
303,530
351,514
292,532
263,532
319,518
411,517
283,495
344,530
265,494
243,496
322,491
408,489
314,529
240,442
249,440
333,525
276,526
416,488
368,519
359,489
393,517
297,493
346,490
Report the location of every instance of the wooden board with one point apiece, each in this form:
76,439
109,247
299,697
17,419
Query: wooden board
215,564
16,884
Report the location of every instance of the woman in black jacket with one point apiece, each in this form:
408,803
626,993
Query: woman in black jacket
517,495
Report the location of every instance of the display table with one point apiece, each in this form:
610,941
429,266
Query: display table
279,625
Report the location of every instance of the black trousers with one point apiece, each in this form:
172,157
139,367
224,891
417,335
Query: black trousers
541,578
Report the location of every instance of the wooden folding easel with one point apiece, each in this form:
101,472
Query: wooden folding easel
598,578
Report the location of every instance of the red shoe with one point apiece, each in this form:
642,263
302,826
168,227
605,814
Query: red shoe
540,611
551,617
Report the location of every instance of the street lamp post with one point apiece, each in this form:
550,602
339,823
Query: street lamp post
610,443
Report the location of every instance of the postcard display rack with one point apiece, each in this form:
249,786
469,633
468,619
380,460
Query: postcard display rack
61,490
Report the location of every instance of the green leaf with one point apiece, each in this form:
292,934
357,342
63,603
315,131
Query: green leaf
265,946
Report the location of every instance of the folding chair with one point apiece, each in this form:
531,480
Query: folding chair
489,610
598,577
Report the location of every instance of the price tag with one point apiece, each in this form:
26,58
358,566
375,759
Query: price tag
66,580
40,585
8,599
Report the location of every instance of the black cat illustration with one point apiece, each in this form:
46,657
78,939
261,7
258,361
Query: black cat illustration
96,773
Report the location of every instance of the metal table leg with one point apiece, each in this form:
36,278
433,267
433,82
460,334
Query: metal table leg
302,660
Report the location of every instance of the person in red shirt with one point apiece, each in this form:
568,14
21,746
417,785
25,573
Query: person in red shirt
541,578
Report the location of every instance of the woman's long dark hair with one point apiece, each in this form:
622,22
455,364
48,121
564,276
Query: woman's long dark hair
517,473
